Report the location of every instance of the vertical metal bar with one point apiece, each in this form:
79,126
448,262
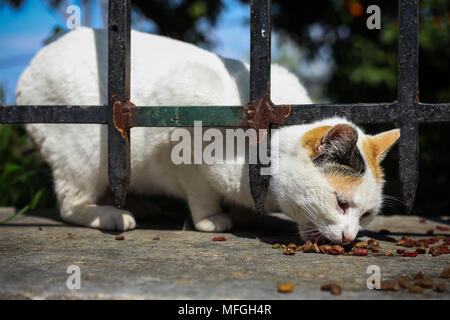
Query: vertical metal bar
260,34
408,96
119,38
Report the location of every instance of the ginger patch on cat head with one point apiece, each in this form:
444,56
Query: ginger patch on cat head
311,140
375,149
344,184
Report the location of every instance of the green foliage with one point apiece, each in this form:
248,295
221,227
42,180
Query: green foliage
25,180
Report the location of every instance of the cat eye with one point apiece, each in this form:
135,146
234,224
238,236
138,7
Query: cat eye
365,215
342,204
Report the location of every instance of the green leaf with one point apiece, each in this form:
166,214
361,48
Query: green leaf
23,210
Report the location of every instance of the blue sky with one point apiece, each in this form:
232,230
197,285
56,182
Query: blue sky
22,33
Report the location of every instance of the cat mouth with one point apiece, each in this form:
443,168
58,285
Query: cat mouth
314,235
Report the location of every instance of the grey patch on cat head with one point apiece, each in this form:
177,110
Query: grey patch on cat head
339,153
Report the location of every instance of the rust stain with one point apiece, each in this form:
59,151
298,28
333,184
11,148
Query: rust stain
261,113
123,117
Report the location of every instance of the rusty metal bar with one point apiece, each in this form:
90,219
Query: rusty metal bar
53,114
119,38
408,96
260,35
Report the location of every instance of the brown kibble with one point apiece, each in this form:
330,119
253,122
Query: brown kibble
298,249
276,246
283,246
334,288
404,283
424,283
374,245
289,251
390,286
292,245
441,287
421,250
316,248
338,248
286,287
445,274
435,251
361,245
120,237
324,248
400,242
420,275
409,244
415,289
308,247
430,231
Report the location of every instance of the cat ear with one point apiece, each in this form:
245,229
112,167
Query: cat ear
337,149
382,143
341,138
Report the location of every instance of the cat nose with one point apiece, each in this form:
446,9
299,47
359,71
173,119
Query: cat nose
347,237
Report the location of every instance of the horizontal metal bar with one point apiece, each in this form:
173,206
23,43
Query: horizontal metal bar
184,116
230,116
221,116
53,114
429,112
358,113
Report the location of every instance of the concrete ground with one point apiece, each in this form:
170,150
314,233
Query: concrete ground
159,260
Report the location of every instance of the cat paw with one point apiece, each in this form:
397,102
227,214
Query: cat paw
215,223
111,218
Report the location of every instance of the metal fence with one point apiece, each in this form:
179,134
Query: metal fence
120,114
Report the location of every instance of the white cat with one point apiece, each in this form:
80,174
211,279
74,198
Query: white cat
329,179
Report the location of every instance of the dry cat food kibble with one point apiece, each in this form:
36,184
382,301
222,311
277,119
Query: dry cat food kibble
415,289
374,245
120,237
334,288
404,283
219,239
286,287
361,245
445,274
441,287
410,254
276,245
289,251
390,286
324,248
361,252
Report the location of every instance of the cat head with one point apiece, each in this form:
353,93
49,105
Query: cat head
329,178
